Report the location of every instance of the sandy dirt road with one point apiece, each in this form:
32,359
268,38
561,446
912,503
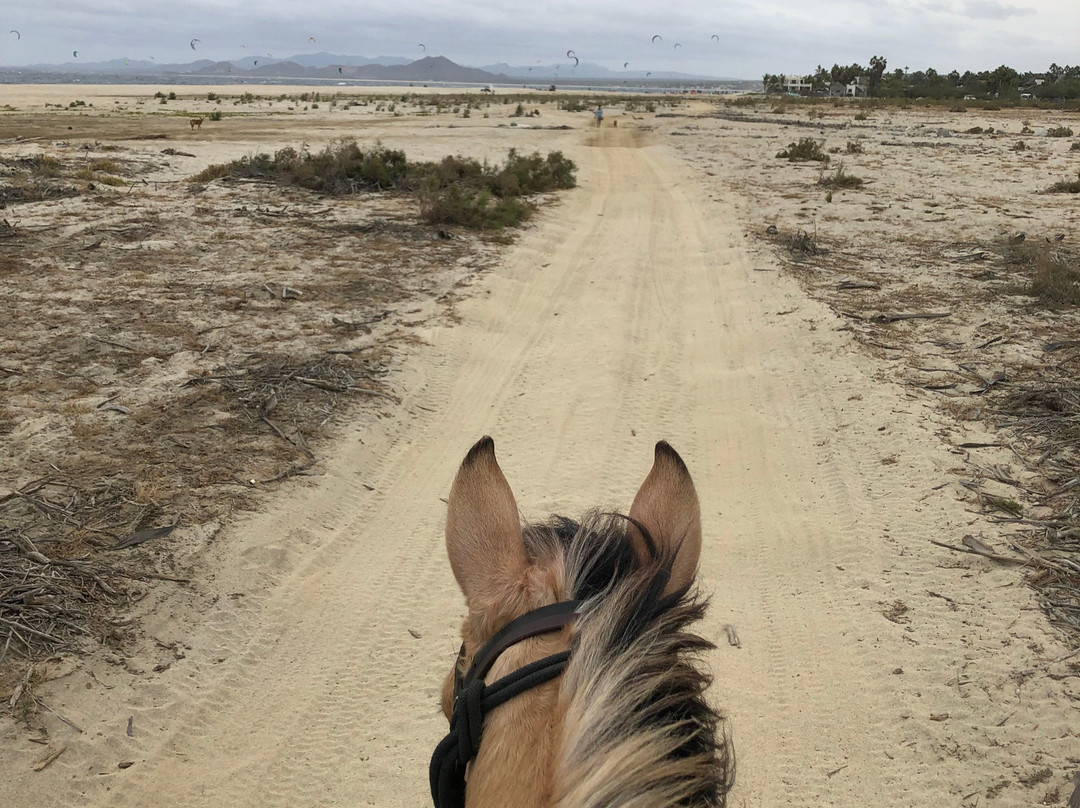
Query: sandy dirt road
874,668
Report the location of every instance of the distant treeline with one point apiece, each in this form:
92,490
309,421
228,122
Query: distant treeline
1056,83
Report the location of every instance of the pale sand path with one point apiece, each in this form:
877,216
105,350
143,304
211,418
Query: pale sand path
632,313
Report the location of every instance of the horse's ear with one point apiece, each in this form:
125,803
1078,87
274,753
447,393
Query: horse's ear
667,507
483,532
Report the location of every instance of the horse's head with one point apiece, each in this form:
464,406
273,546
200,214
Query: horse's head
611,595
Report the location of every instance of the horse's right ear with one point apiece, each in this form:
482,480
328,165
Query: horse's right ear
483,531
666,506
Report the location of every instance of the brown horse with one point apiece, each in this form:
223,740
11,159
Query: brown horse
578,670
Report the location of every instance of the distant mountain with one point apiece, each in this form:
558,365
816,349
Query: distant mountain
324,59
430,68
323,66
118,66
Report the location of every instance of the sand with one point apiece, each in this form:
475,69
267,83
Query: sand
873,666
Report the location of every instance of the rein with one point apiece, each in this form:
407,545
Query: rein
473,699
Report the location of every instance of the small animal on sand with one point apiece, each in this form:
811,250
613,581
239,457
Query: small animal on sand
196,123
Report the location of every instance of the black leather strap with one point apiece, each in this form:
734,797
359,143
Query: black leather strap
446,774
539,621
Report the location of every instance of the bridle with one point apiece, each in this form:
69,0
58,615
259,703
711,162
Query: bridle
473,699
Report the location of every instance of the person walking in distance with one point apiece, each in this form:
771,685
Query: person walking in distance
599,115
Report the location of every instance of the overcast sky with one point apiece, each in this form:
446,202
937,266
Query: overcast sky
777,36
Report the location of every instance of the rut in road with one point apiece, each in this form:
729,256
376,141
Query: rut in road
632,313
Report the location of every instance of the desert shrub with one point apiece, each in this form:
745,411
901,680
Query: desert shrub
211,96
1060,131
1054,281
111,166
519,112
839,179
216,171
1019,146
801,244
338,169
43,165
472,207
861,116
1065,186
455,190
463,191
90,175
214,116
172,96
975,130
534,173
805,150
853,147
1075,146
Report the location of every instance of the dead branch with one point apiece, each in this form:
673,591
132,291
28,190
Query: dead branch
892,318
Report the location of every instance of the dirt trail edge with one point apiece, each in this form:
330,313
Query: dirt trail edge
874,667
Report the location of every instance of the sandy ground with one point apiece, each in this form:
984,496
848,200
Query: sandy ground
874,667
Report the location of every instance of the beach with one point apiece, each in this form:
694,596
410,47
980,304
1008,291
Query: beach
824,358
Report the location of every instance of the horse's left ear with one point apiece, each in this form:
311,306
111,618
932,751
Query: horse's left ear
667,506
483,530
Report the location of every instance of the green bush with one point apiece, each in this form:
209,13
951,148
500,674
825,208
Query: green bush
455,190
466,206
805,150
1060,131
337,169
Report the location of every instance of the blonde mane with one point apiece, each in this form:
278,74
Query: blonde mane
637,729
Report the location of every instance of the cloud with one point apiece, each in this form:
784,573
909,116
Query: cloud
993,10
755,36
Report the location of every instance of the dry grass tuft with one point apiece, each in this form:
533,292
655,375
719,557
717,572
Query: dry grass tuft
1055,281
1065,186
840,179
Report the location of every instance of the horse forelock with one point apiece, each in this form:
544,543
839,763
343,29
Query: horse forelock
638,729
